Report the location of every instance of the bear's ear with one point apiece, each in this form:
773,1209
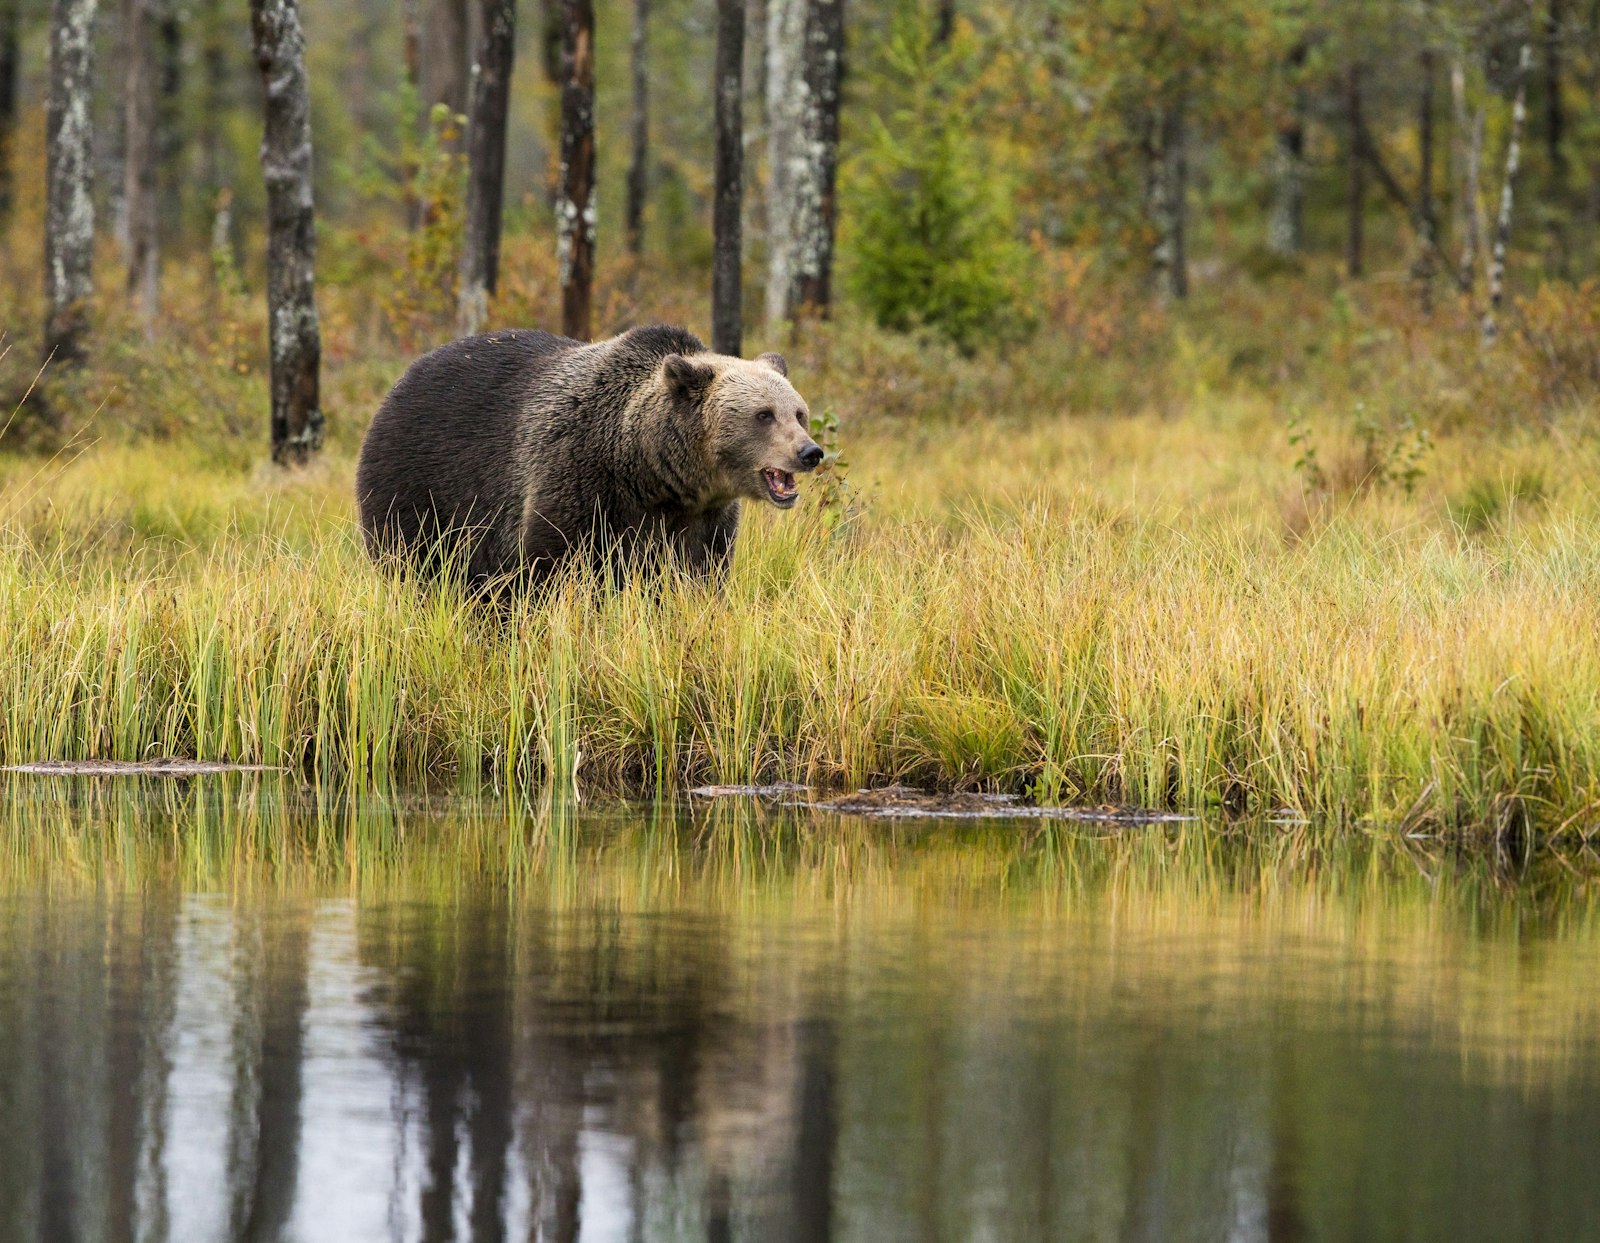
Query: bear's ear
687,377
775,361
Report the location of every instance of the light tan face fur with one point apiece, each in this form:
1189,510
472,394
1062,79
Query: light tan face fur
758,427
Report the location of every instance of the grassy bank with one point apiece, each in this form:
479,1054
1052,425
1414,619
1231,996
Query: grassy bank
1170,611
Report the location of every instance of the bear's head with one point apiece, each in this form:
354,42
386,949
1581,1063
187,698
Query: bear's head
755,424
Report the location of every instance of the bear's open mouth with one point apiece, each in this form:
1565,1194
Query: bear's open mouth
780,486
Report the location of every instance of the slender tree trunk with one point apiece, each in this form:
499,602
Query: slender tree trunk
69,200
444,65
1427,223
169,108
1355,237
639,128
140,157
727,321
575,204
1165,192
944,22
296,340
1469,144
1286,222
1502,228
486,161
10,81
214,77
1554,133
1555,124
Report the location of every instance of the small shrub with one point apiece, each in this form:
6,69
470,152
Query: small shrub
934,242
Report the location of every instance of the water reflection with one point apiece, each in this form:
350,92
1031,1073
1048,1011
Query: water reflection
231,1014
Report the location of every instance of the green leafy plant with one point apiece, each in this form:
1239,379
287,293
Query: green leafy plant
933,244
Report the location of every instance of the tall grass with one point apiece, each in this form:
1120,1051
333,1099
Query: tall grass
1070,642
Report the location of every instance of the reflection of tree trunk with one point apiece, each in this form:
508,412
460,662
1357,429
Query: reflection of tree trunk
1285,1220
816,1133
440,1097
1355,240
718,1207
284,998
1146,1214
487,1043
567,1192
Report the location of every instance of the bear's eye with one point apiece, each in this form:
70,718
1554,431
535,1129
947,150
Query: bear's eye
765,416
800,417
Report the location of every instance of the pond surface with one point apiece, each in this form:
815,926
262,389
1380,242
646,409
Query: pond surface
234,1011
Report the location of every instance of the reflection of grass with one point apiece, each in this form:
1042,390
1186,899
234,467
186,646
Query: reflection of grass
1080,646
1504,959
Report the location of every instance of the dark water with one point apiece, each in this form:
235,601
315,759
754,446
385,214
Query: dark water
228,1013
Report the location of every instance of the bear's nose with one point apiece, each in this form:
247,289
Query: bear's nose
811,456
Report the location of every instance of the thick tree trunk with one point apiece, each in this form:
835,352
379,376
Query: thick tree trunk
805,61
486,162
444,66
1502,228
1165,192
1427,223
1286,221
140,156
10,81
575,202
727,315
1469,148
69,201
639,129
296,340
1354,248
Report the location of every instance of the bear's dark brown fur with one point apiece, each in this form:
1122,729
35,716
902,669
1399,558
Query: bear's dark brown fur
500,456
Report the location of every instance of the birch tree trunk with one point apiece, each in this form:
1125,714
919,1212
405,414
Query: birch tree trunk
1355,235
727,315
1502,228
1286,220
296,340
69,201
575,203
486,162
140,157
10,80
639,130
805,62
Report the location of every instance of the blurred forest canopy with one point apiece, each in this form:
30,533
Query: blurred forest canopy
1006,170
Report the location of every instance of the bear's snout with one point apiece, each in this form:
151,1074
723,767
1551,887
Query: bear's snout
810,456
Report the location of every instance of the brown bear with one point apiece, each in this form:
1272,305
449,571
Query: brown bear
499,457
